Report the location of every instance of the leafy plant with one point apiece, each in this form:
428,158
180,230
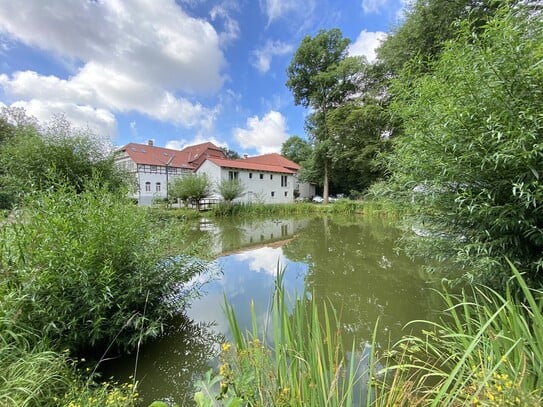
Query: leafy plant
471,155
90,269
230,189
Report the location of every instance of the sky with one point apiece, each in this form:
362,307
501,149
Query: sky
178,72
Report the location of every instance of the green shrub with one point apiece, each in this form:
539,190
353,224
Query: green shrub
90,268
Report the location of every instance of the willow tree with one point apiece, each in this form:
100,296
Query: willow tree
322,77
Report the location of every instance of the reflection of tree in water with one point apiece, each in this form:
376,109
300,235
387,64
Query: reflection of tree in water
170,364
356,267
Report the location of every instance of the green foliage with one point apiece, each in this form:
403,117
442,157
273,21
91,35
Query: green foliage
307,364
32,158
486,351
344,206
296,149
90,270
190,188
323,77
427,25
356,140
30,373
472,152
230,189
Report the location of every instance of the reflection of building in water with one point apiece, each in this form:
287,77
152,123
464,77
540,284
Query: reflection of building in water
231,237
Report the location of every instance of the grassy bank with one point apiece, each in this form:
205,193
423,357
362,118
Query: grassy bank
486,351
224,209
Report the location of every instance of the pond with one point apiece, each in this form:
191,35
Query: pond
352,262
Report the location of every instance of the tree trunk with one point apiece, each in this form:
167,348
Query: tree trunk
325,192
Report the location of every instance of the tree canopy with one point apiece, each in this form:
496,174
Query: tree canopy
472,152
322,76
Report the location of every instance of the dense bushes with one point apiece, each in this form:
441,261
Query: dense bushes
472,153
89,270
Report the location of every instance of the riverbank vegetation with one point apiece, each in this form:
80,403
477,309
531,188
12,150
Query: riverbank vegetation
485,350
84,272
455,100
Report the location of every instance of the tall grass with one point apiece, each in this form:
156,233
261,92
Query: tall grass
487,350
344,206
306,365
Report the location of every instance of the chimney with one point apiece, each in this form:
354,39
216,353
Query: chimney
150,142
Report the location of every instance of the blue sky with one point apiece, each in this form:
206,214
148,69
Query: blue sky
178,72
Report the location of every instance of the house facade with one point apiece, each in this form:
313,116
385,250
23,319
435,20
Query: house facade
262,183
303,190
268,178
155,167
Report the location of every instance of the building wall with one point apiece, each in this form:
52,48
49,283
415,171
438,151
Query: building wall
306,189
152,182
259,186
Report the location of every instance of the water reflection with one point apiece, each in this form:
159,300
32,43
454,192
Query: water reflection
352,263
167,368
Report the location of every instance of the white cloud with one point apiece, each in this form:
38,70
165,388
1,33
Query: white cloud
231,27
264,259
266,134
276,9
373,6
262,57
134,57
366,44
99,121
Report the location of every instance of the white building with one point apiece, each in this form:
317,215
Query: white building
304,190
262,183
268,178
155,167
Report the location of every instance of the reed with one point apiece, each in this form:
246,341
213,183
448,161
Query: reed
301,362
486,351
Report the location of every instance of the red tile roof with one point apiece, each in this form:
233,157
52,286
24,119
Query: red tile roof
199,152
189,158
273,159
243,164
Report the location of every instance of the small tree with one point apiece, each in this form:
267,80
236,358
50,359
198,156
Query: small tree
230,189
191,188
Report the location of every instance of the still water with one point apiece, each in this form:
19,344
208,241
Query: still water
352,262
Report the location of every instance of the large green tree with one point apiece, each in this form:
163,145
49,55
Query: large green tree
322,76
427,25
472,153
358,133
296,149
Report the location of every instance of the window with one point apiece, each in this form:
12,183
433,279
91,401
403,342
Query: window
147,187
286,193
232,175
284,181
261,176
153,168
272,193
158,187
271,176
250,175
